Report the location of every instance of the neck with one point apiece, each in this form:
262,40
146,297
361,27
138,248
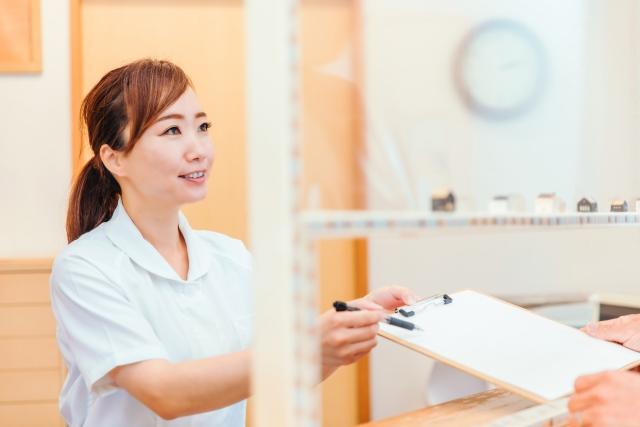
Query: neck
157,224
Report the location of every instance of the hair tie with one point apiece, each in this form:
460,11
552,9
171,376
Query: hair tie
96,162
99,166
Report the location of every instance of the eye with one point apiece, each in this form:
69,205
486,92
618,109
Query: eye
173,130
205,126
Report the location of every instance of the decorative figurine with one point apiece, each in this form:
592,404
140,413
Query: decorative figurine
506,203
443,201
619,205
587,205
547,203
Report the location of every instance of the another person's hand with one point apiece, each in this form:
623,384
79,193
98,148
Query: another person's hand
623,330
606,399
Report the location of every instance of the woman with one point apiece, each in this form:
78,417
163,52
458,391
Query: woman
153,318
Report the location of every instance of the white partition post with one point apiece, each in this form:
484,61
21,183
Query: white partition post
285,361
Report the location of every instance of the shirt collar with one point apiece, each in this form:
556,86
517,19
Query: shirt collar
121,230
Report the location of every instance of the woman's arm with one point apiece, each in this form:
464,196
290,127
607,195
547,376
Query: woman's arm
174,390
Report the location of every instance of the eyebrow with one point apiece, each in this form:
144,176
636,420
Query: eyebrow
180,116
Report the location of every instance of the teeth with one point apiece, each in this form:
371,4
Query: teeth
194,175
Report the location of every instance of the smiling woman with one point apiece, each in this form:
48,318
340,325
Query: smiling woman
154,318
122,106
178,146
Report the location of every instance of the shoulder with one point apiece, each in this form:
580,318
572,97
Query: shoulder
92,254
226,247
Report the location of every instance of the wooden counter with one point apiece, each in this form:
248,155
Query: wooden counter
471,411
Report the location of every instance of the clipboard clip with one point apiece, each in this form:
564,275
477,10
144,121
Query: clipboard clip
423,304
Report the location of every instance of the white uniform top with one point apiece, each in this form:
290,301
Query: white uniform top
117,301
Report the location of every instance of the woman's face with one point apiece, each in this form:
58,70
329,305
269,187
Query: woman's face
171,162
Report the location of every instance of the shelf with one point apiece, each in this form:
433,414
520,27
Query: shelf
353,224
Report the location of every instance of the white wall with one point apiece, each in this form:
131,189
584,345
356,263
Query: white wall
35,145
581,139
410,48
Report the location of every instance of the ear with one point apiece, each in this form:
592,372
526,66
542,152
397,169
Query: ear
112,160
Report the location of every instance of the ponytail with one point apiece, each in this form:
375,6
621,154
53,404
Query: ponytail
93,199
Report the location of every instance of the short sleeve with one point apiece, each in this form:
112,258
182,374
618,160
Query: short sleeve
99,325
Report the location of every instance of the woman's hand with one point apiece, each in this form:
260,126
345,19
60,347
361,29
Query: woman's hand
389,298
346,336
349,335
606,399
623,330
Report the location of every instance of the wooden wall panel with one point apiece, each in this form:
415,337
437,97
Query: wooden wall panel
31,370
30,415
26,321
29,353
30,385
24,288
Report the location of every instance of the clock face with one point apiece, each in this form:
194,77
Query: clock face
500,69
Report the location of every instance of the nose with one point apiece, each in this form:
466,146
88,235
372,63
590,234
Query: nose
195,155
199,149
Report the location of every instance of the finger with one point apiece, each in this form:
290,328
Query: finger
358,319
616,330
355,351
574,420
349,336
581,401
391,297
577,419
633,342
362,354
587,382
401,295
365,304
592,417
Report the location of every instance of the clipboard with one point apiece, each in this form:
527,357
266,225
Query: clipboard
508,346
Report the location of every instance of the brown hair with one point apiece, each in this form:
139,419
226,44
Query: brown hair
130,97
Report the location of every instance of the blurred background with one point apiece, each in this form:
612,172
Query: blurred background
399,99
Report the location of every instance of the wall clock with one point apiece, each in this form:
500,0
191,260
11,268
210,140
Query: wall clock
500,69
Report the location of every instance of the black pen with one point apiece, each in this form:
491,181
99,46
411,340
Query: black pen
343,306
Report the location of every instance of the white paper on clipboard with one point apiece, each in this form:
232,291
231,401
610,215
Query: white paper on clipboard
509,346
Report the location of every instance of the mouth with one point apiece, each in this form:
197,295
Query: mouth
193,176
